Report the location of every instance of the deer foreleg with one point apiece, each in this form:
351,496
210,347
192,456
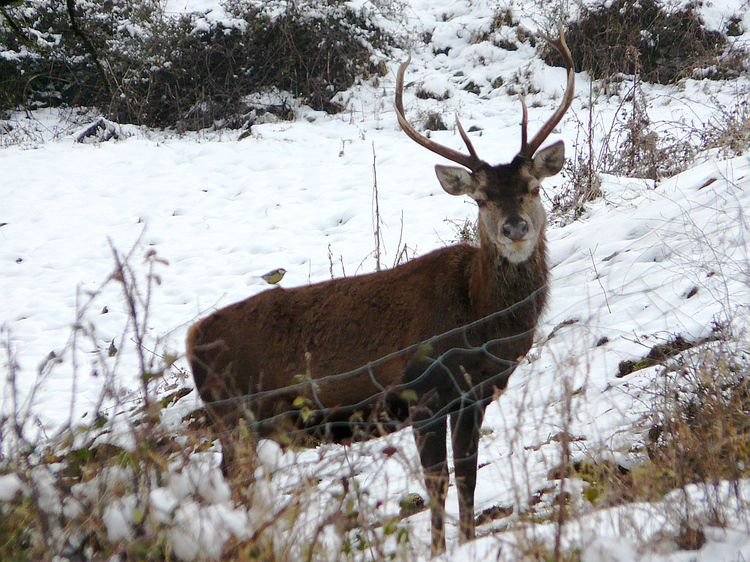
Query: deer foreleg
465,426
431,443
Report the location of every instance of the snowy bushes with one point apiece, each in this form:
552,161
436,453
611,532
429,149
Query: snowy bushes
701,419
141,65
111,483
645,37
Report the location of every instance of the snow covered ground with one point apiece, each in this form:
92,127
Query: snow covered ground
646,262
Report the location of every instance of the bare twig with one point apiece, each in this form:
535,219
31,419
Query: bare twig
599,280
377,210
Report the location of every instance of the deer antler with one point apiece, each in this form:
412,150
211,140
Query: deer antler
528,149
470,161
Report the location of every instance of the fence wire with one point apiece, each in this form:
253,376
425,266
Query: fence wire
478,394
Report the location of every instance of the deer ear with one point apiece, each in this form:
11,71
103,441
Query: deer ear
456,181
548,161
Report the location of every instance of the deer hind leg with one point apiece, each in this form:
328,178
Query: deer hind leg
226,402
238,442
431,443
465,427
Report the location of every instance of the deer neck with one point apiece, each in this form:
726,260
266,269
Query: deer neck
497,284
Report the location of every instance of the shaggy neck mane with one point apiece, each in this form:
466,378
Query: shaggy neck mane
496,283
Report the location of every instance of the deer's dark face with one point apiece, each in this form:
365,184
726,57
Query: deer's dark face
511,215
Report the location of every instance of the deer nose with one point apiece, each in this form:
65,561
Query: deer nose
515,228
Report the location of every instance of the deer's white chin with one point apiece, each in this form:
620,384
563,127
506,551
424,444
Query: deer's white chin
517,252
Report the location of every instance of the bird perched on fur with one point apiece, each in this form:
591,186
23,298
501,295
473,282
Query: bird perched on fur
273,277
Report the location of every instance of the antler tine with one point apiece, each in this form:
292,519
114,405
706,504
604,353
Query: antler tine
465,137
470,161
524,123
562,47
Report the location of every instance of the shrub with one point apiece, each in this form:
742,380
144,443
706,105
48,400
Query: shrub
700,428
697,427
642,37
642,150
728,130
140,66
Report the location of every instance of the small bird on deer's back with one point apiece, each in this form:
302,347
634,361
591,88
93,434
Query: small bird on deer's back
273,277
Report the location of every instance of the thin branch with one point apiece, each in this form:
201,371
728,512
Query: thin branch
78,32
377,209
599,280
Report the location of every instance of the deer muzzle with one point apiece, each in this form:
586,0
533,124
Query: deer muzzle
515,229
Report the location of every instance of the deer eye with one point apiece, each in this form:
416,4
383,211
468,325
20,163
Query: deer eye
534,191
481,203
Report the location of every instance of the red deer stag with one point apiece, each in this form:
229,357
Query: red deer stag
432,339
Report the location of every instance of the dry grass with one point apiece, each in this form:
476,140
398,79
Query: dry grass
136,481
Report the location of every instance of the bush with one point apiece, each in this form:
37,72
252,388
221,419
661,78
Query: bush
642,37
728,130
700,428
138,65
644,150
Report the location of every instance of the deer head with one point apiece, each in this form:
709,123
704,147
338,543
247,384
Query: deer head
511,216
